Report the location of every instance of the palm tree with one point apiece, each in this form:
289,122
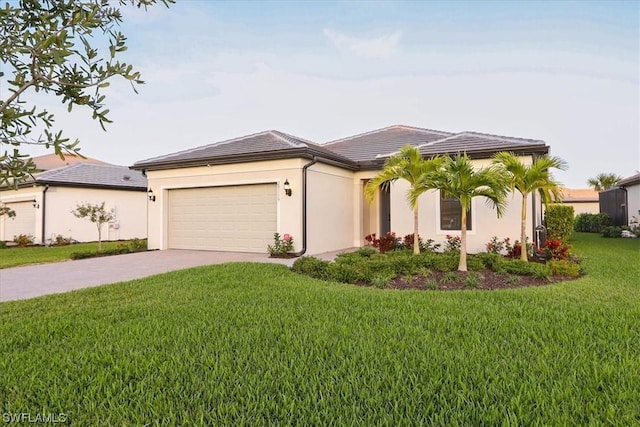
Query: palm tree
457,178
528,179
603,181
409,165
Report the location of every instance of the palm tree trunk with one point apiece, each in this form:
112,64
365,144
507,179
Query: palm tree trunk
462,266
416,241
523,229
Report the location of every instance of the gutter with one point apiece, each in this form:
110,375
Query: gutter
304,207
44,211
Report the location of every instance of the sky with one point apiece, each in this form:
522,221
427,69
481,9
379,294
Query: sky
567,73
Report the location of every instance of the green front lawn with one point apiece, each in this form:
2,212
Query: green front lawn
14,257
255,344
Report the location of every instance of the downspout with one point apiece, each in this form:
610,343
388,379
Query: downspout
44,212
304,207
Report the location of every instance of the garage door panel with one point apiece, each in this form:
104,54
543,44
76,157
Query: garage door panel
234,218
23,223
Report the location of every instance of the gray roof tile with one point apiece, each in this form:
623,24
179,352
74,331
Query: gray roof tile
370,145
363,150
93,175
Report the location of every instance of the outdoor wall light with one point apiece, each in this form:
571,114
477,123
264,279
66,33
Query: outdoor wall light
152,197
287,188
35,204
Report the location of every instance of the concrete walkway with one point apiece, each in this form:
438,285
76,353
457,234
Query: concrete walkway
44,279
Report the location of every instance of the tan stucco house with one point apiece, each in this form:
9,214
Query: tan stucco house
234,195
583,200
43,204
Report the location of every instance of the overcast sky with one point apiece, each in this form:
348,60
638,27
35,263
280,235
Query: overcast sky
564,72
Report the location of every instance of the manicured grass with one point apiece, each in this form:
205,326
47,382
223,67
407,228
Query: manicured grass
14,257
252,344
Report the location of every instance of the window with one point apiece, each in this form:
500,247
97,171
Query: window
450,214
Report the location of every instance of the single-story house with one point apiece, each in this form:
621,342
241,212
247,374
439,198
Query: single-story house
622,202
234,195
583,200
43,204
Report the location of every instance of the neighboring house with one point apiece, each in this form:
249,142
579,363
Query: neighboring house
582,200
53,161
232,195
622,202
43,204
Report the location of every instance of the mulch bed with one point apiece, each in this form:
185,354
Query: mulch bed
455,281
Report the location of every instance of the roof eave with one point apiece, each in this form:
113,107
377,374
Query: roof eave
305,153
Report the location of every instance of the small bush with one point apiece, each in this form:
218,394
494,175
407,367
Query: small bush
381,280
138,245
23,240
311,266
555,249
452,243
3,244
559,221
281,245
591,223
60,240
612,231
563,268
473,280
449,277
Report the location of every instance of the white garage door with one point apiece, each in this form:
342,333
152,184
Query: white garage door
235,218
23,223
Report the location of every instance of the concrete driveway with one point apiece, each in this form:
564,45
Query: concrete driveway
43,279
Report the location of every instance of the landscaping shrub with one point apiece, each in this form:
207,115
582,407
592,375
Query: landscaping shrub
405,262
60,240
612,231
23,240
311,266
522,268
281,245
492,261
496,246
474,263
514,252
366,252
564,268
591,223
138,245
388,242
447,261
555,249
559,221
452,243
95,254
3,244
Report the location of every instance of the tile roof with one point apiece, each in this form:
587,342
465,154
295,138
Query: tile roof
93,175
53,161
634,179
579,195
368,149
258,143
371,145
473,142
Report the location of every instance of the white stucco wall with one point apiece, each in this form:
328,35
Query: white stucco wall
55,206
273,171
330,209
